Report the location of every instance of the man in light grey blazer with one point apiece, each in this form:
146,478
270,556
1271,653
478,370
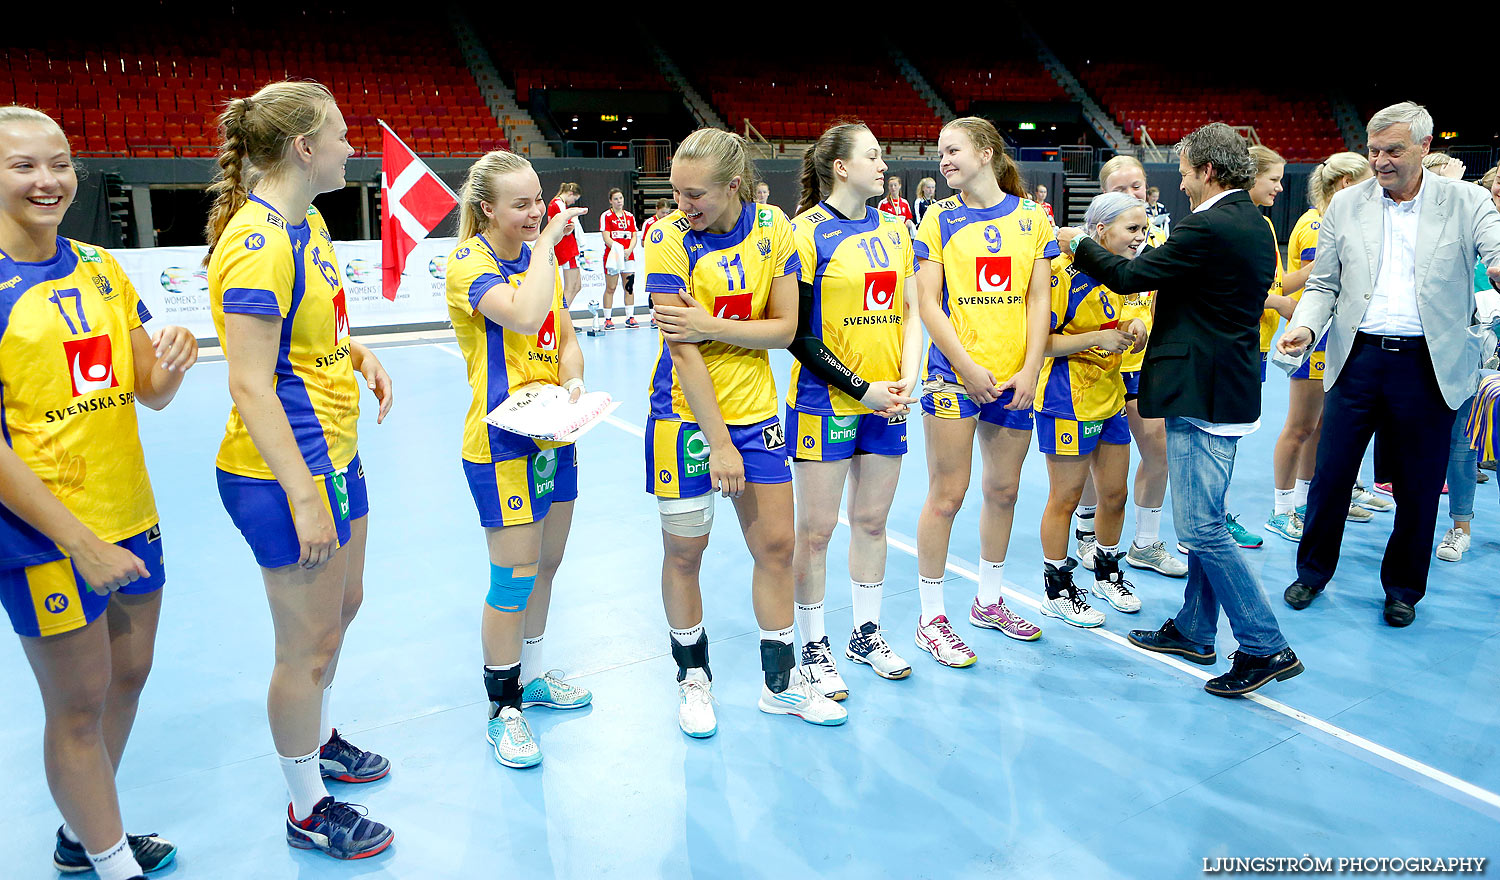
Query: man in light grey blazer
1394,284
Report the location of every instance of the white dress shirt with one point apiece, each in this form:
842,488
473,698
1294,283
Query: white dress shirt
1222,429
1393,302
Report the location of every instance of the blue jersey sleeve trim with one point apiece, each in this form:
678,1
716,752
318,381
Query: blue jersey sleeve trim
1308,254
793,265
482,285
251,301
1052,251
665,282
920,251
142,312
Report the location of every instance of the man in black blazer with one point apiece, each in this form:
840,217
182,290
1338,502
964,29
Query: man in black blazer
1202,374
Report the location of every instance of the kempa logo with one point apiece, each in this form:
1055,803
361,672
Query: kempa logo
694,454
56,603
543,468
842,428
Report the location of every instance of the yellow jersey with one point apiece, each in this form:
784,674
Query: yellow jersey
1270,319
499,360
731,275
858,270
1084,386
67,394
987,258
1138,305
1302,247
264,264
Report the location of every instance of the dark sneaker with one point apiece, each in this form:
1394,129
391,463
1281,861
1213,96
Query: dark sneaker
342,761
339,830
151,852
1300,595
1249,673
1169,640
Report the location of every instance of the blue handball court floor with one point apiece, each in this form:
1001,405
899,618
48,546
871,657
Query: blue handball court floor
1074,756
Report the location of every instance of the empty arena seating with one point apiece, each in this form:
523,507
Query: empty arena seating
965,78
539,65
1297,124
156,92
799,100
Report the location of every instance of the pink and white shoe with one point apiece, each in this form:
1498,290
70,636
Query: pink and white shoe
999,616
938,639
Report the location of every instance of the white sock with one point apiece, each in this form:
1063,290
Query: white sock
1147,526
783,636
67,833
688,636
327,719
1055,563
1285,502
810,622
1299,494
531,658
1086,518
304,781
991,574
117,862
931,592
1100,549
866,601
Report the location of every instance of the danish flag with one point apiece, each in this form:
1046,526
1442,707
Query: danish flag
413,201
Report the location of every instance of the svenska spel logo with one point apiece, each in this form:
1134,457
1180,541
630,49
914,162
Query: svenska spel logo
880,291
694,454
91,364
734,306
56,603
991,274
340,315
546,338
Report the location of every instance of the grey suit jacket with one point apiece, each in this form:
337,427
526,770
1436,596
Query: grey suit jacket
1458,225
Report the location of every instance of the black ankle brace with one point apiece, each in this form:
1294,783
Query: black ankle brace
694,656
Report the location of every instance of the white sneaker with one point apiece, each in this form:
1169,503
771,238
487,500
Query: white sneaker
868,646
938,639
1359,514
511,736
1072,607
1157,558
1118,594
1086,542
801,698
696,714
820,670
1370,501
1455,545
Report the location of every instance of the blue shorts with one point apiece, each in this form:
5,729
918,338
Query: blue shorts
52,597
1070,437
836,438
955,405
1264,357
1313,367
262,513
677,456
521,490
1132,384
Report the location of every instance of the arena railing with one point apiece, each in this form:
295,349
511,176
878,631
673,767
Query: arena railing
653,156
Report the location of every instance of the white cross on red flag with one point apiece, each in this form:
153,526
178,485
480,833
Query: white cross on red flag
413,201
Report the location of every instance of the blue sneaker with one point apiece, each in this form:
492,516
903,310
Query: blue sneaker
1287,525
1241,535
339,830
342,761
511,736
552,692
152,852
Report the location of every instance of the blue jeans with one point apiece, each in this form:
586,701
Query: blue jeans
1463,467
1199,465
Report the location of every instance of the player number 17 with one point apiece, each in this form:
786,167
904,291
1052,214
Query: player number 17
71,293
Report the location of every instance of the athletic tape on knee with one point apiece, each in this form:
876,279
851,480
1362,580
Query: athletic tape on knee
508,590
687,517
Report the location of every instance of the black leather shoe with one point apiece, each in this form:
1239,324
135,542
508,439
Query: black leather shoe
1300,595
1398,613
1168,640
1250,672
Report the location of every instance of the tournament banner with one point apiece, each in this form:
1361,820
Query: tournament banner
173,283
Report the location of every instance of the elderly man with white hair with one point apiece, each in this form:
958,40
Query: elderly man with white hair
1394,283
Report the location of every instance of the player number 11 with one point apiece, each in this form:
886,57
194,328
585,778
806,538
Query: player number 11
726,264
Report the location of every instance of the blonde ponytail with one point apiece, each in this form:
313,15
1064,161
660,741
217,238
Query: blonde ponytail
479,187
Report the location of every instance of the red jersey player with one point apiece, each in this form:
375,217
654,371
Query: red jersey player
567,249
617,227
